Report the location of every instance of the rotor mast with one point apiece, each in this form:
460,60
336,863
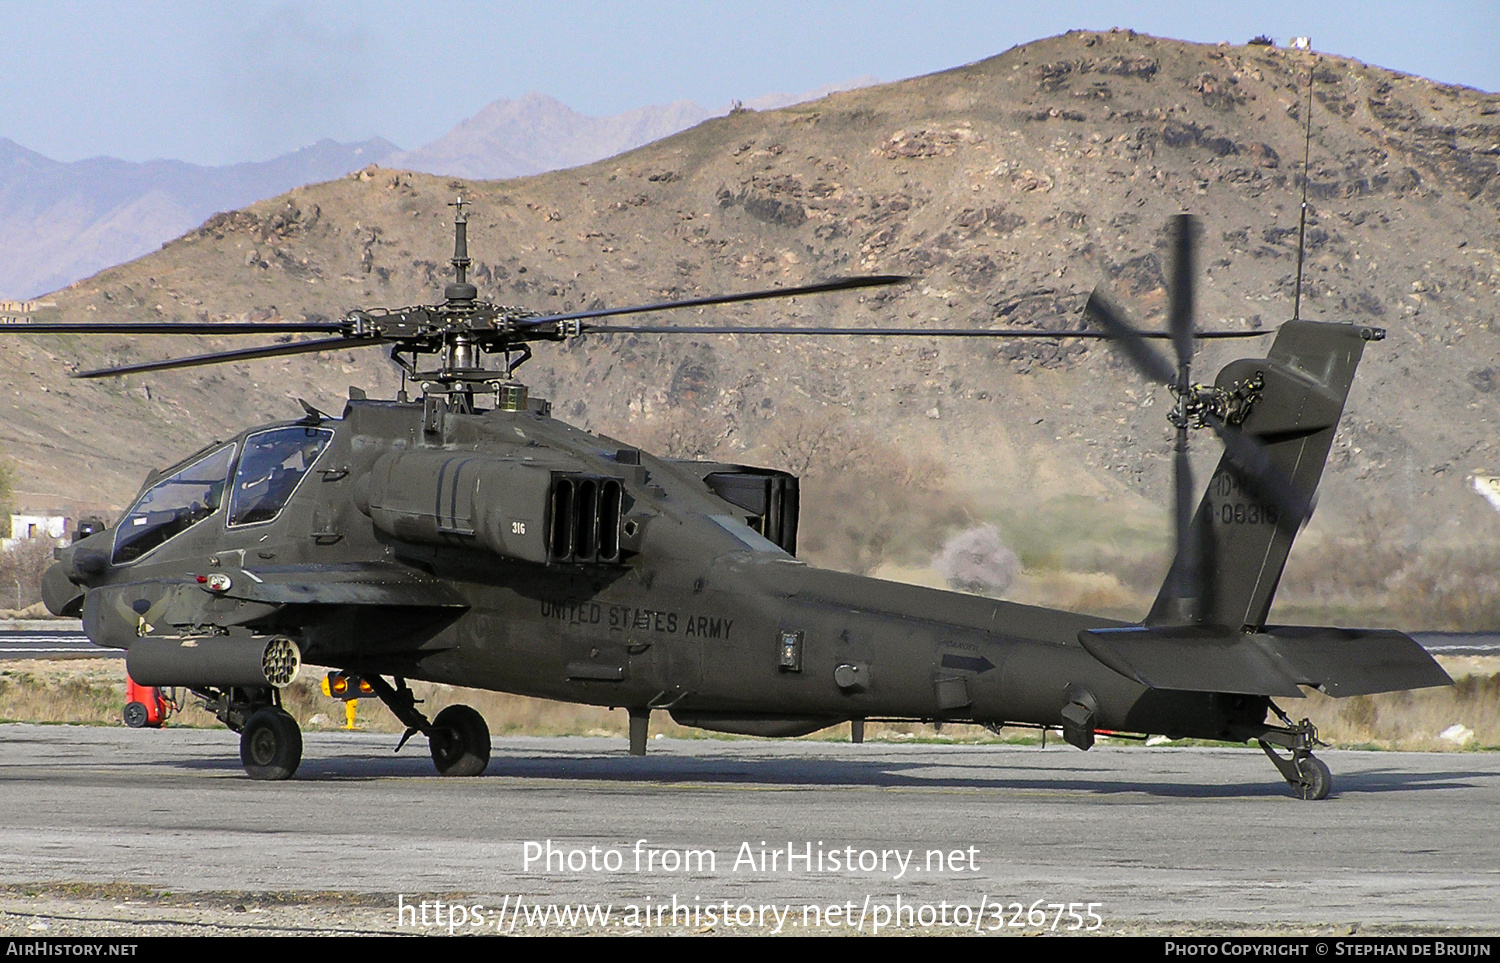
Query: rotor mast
460,247
465,329
461,352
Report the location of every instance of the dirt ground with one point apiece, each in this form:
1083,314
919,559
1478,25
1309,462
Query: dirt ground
127,911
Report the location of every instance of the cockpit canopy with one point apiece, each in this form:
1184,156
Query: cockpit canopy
270,467
173,505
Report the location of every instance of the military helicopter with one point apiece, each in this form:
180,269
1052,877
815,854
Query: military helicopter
468,537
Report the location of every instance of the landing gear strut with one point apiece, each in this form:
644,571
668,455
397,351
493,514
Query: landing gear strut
1304,772
458,738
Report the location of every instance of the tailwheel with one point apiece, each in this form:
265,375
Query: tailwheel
1316,780
460,742
270,744
1304,772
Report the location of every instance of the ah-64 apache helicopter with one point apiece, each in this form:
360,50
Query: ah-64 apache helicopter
470,538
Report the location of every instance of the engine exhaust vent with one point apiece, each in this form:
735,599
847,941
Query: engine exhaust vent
770,497
584,517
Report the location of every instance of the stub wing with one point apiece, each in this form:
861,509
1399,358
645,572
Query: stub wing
343,584
1274,662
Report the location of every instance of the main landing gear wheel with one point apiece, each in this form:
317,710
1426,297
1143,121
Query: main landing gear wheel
458,738
460,742
270,745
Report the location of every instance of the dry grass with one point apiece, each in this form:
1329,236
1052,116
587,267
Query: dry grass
1096,593
1370,579
32,612
92,692
1416,720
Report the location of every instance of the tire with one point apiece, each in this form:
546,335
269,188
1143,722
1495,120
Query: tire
136,715
460,742
270,745
1317,781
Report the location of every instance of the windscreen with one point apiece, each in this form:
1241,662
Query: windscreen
173,505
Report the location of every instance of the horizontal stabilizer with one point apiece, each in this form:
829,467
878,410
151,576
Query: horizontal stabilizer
1272,662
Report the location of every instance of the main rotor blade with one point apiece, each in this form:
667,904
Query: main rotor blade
837,284
1180,318
877,332
895,332
244,354
174,327
1145,358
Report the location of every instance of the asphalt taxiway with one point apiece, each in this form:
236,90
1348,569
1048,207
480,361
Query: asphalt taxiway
1148,835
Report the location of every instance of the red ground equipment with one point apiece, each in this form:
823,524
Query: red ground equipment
145,707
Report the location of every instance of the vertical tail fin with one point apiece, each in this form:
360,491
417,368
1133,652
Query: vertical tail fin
1244,539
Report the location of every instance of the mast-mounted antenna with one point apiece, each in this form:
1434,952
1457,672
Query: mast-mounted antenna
460,289
1302,43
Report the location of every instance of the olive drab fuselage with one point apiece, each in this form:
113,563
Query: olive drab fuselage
449,573
506,550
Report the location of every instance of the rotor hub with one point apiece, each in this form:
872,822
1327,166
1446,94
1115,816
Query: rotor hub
1201,405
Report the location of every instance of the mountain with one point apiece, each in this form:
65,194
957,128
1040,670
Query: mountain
1009,188
62,221
514,138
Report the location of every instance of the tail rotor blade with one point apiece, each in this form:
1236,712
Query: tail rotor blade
1145,358
1180,321
1261,476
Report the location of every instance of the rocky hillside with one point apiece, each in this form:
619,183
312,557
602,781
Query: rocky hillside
1009,188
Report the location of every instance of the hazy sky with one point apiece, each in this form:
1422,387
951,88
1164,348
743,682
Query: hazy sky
218,82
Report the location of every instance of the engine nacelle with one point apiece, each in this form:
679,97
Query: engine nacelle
770,498
513,509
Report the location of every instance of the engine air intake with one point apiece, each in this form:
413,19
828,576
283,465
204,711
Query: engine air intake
770,497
